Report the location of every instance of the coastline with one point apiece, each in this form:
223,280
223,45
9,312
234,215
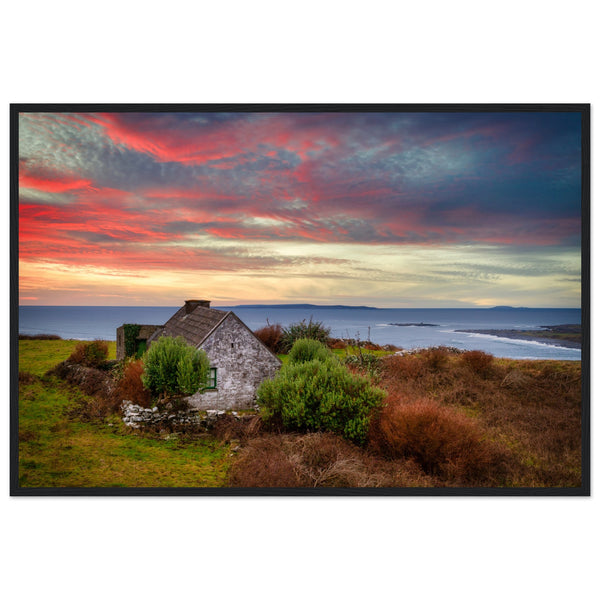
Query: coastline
562,336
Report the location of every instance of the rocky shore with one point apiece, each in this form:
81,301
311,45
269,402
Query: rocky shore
565,336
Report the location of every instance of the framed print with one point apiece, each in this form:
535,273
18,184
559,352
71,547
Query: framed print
300,299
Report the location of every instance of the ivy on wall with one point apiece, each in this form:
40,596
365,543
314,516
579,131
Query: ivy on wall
131,332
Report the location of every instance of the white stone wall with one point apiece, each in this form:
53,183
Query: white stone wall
242,363
139,417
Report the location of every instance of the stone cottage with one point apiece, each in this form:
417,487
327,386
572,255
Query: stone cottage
239,361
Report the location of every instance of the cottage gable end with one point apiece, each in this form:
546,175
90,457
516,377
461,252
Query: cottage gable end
242,363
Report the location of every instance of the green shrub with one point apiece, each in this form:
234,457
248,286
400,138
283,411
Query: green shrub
365,362
172,368
305,350
314,330
320,395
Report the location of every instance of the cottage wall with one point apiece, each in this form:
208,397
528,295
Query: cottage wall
242,363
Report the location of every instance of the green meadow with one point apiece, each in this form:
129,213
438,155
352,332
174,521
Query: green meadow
56,449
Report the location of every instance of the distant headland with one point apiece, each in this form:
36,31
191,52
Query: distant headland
302,306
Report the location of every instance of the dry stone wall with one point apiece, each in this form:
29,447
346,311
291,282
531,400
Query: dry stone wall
138,417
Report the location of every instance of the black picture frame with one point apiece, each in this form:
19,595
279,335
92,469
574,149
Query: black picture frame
582,109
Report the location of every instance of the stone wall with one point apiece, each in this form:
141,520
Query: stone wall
138,417
242,363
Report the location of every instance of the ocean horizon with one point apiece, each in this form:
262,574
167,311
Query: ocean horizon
408,328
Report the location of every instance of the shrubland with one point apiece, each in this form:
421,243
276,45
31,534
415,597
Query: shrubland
331,418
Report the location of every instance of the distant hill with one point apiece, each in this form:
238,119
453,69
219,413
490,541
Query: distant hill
508,308
302,306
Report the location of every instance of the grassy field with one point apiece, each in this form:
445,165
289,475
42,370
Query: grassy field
58,450
39,356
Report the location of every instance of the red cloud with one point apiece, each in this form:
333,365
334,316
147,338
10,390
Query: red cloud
54,185
167,139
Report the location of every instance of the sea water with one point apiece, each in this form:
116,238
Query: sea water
430,326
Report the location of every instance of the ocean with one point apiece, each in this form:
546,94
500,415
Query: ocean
419,328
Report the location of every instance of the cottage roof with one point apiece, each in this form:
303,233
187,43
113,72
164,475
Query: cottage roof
193,325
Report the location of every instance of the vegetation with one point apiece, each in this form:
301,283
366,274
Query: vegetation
444,442
130,334
130,387
319,460
38,357
172,368
479,362
305,350
61,443
271,337
90,354
314,330
532,408
450,418
319,394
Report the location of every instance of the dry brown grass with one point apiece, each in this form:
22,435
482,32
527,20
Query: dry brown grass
532,407
319,460
228,427
442,440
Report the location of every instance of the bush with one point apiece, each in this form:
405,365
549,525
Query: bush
435,358
264,464
401,366
318,460
314,330
305,350
270,336
337,344
130,386
228,427
92,354
366,363
443,441
172,368
320,395
477,361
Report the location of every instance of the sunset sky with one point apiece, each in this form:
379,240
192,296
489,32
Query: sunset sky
382,209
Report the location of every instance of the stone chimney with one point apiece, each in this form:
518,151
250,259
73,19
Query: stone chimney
190,305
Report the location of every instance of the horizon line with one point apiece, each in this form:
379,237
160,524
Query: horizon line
285,304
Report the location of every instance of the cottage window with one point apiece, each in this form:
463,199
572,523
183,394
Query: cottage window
211,380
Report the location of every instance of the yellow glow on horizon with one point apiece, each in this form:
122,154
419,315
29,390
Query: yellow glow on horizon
319,273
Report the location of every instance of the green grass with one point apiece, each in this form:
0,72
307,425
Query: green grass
343,352
56,450
353,350
39,356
